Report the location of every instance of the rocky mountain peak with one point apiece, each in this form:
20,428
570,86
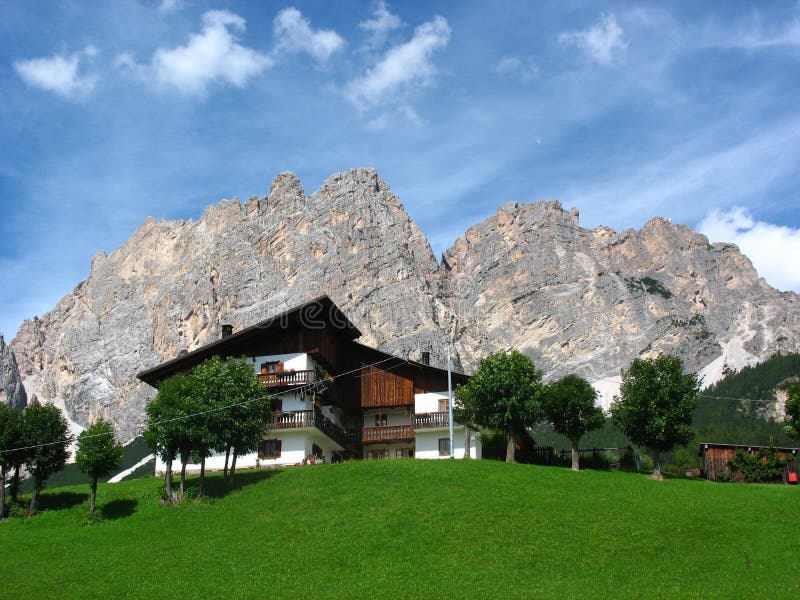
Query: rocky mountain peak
529,277
12,392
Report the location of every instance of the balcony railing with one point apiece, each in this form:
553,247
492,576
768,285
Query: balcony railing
296,419
288,378
431,420
391,433
299,419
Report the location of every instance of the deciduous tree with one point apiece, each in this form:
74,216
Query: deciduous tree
164,428
10,442
46,434
569,405
792,420
656,404
504,394
98,454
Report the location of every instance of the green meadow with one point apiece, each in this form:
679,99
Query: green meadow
389,529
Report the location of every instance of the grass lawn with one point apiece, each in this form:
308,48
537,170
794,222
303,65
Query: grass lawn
414,528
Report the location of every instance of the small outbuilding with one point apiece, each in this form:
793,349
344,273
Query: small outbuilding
715,460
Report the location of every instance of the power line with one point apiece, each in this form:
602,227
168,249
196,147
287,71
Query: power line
226,407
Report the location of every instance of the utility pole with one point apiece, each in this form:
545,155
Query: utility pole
450,399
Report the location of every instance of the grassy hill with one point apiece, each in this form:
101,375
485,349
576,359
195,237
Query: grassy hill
412,528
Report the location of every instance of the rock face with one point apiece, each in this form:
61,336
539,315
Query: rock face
12,392
529,278
589,301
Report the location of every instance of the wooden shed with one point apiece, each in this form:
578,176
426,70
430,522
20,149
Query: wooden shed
715,459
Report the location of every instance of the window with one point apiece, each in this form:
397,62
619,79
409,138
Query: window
272,367
443,405
377,454
269,449
404,453
380,420
277,405
444,446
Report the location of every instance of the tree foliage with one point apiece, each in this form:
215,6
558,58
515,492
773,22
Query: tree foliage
504,394
10,442
164,429
792,419
656,404
98,454
46,434
569,404
218,406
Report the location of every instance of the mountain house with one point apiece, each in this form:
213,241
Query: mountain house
333,397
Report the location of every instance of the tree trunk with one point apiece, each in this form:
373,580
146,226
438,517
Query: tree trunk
466,442
201,483
37,486
168,481
576,457
511,448
3,493
233,466
93,500
657,465
227,454
183,477
15,484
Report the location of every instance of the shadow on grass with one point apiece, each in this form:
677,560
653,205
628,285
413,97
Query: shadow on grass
217,487
59,500
117,509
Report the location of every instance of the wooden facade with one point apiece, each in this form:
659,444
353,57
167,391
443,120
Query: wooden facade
352,377
715,459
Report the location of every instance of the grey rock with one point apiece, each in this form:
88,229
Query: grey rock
580,300
12,392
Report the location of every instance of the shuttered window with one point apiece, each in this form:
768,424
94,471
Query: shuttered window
269,449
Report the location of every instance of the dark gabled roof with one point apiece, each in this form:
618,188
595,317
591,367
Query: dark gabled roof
320,310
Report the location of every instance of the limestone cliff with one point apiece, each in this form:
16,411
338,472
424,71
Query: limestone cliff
12,392
575,299
173,284
589,301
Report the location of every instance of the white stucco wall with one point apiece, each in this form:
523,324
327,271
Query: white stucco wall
299,361
428,403
427,443
390,449
296,445
402,417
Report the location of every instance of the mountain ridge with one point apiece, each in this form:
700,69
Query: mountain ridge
529,277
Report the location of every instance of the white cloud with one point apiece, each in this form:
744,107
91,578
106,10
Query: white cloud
295,34
602,42
212,55
168,6
403,65
773,249
59,74
526,70
381,24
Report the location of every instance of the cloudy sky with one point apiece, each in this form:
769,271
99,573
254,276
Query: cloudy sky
111,112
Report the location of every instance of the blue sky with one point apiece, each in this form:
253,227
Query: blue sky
113,112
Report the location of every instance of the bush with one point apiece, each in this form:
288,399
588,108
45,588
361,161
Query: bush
765,466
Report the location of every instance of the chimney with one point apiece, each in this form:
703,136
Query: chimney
426,358
227,331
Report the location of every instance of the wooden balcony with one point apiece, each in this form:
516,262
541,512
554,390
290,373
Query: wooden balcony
296,419
300,419
288,378
390,433
431,420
